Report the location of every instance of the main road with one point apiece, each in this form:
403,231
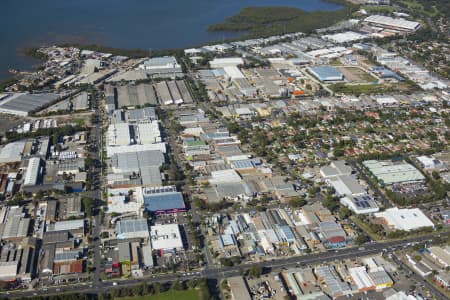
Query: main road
225,272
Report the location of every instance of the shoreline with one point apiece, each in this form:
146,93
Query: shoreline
139,52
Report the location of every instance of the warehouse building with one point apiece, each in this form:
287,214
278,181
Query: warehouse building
239,288
406,219
176,95
166,238
12,152
128,229
75,227
226,62
339,167
134,161
136,95
22,104
163,92
165,202
186,95
162,67
141,115
332,282
428,162
363,204
332,234
389,172
14,225
33,172
119,134
326,73
398,24
346,185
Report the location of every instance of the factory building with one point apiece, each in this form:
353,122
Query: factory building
161,67
326,73
164,202
12,152
128,229
406,219
33,172
389,172
166,238
363,204
398,24
22,104
226,62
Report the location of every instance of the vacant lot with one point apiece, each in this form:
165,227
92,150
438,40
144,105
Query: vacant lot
356,75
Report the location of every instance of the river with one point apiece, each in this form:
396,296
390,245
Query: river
146,24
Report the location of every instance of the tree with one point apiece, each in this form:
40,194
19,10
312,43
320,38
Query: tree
137,290
297,202
157,287
178,285
88,204
361,239
255,271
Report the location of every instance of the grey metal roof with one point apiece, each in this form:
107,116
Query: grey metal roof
133,161
151,176
29,102
67,255
134,225
164,201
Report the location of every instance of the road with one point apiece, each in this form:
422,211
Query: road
219,273
96,194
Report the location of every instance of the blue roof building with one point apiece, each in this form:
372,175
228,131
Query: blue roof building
326,73
164,203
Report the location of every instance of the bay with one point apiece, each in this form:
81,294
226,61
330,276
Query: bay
146,24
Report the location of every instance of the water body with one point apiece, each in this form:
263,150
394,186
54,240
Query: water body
147,24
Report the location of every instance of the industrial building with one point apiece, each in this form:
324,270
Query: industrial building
176,95
166,238
163,202
163,92
12,152
126,137
239,289
75,227
135,161
226,62
13,223
133,228
33,172
389,172
22,104
136,95
331,281
186,95
406,219
429,162
339,167
398,24
161,67
346,185
326,73
333,235
363,204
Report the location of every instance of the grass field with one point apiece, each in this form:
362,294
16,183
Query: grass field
341,88
357,75
170,295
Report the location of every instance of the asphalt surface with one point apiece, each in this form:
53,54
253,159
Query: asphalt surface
434,290
218,273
